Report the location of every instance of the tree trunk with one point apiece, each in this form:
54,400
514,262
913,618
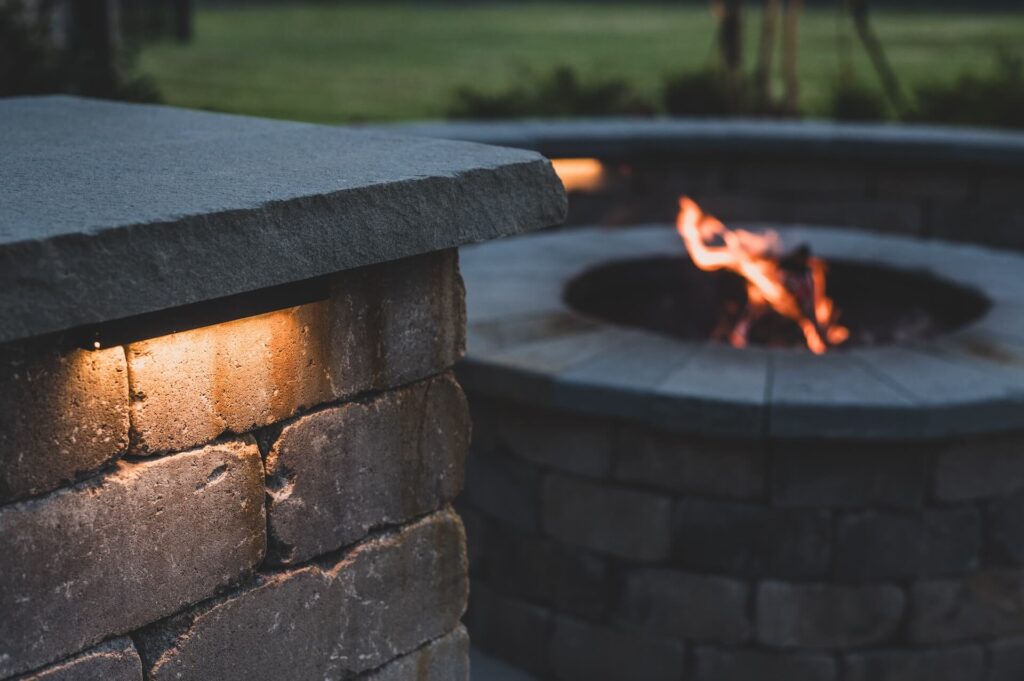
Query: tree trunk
730,46
790,52
862,23
766,51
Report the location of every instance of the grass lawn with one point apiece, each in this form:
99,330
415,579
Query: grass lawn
334,63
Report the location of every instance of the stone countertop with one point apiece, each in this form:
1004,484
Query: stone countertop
624,137
526,344
109,210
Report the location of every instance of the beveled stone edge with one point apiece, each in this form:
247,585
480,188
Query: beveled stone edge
497,372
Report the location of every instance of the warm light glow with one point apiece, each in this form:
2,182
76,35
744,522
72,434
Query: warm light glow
96,345
796,292
580,174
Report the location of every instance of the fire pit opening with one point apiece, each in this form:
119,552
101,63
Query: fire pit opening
671,296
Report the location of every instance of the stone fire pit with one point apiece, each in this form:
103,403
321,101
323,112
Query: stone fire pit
229,434
642,506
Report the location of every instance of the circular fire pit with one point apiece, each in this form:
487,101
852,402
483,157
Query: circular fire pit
646,502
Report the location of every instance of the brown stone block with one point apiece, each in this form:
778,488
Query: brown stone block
62,415
383,326
335,474
383,599
125,549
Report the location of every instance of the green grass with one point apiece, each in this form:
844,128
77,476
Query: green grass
335,63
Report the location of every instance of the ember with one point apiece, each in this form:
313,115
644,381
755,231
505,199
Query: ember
788,284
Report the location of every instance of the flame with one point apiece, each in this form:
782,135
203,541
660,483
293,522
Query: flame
580,174
756,257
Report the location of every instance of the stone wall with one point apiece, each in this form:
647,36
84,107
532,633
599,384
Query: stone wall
953,201
266,498
604,549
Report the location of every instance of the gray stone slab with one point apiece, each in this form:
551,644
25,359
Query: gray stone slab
109,210
832,395
720,389
113,660
443,659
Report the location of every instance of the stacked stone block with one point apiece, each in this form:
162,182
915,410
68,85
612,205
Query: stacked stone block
956,201
691,557
266,498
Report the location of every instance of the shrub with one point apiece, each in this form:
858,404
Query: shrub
990,99
854,101
559,93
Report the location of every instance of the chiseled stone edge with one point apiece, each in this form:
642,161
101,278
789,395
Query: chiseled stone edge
54,284
557,358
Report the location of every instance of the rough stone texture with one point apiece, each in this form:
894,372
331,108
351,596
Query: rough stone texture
712,664
324,621
62,415
509,629
383,326
879,545
751,541
956,664
126,548
980,467
826,616
588,652
335,474
545,571
504,488
114,660
850,475
984,605
687,606
1006,660
99,226
443,659
690,463
624,523
562,442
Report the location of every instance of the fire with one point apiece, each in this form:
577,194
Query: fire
797,293
580,174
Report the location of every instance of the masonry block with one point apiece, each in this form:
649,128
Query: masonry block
383,326
621,522
876,545
560,441
509,629
920,183
544,571
443,659
826,616
113,660
980,467
126,548
984,605
689,463
63,415
337,473
722,664
328,620
850,475
751,540
687,606
581,651
954,664
801,180
1006,659
1006,528
504,487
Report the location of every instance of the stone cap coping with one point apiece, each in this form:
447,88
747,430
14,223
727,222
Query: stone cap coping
526,344
109,210
610,138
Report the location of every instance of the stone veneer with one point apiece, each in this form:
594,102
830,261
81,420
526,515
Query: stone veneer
263,497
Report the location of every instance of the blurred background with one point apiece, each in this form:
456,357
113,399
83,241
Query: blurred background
942,61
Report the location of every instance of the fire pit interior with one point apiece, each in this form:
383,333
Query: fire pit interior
671,296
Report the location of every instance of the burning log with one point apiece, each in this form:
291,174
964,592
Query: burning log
792,284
